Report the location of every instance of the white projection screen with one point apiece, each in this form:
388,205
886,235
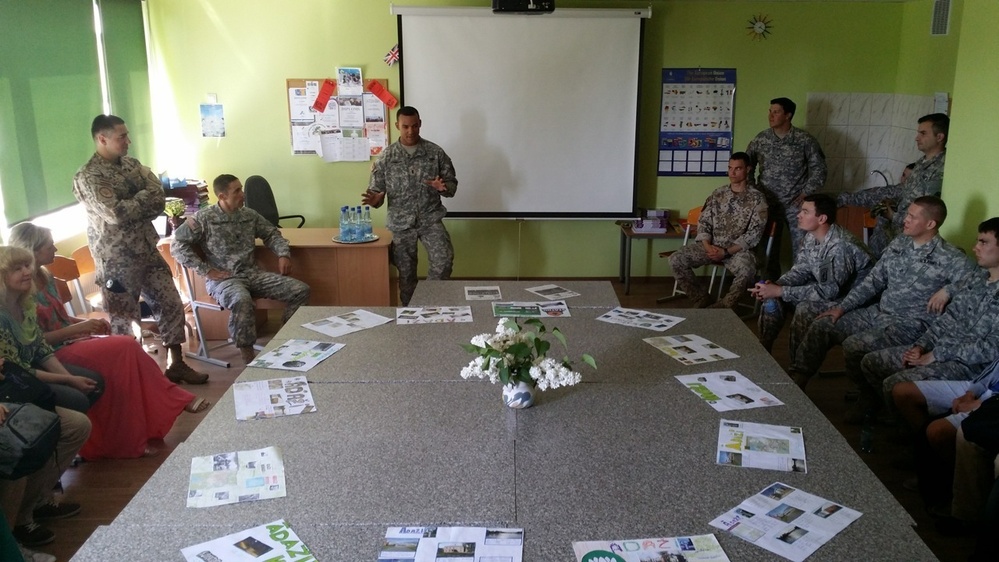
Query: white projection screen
538,112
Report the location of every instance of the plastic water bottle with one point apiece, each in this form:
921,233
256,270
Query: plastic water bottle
366,223
770,306
344,224
867,434
356,231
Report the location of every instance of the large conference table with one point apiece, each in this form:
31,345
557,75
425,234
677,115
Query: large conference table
400,439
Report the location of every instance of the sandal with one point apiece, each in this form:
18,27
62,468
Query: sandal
197,406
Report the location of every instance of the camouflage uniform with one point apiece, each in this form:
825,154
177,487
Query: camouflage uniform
415,210
228,241
823,272
926,179
121,201
964,340
905,277
788,168
727,218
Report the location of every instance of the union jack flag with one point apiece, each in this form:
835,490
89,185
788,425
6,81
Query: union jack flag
392,56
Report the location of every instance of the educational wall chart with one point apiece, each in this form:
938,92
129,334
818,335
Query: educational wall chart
761,445
274,539
236,477
452,544
728,390
691,548
272,398
695,130
340,121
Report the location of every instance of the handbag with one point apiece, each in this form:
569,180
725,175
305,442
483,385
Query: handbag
28,437
981,427
21,387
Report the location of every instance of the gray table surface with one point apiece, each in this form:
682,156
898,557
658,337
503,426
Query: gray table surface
452,293
400,438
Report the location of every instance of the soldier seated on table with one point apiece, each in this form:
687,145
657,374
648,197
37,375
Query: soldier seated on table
914,279
226,235
731,225
828,264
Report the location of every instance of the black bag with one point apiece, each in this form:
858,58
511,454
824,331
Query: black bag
28,438
981,427
21,387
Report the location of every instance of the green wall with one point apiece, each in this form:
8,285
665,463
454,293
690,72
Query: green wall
921,51
243,50
970,186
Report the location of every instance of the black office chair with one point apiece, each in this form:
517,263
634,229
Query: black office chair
260,198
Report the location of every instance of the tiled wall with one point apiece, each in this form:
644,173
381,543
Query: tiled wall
860,133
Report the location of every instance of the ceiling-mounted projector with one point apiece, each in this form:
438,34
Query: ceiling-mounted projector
523,6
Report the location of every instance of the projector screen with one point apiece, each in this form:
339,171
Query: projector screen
539,113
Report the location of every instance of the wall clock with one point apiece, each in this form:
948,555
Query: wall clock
760,27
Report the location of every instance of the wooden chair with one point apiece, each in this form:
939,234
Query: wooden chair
85,266
65,271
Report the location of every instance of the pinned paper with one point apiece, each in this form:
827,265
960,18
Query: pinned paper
392,56
383,94
325,93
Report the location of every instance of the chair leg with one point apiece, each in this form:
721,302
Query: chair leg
204,352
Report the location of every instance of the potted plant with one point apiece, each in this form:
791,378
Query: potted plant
518,357
175,208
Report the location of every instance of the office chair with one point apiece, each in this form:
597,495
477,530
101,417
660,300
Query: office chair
260,198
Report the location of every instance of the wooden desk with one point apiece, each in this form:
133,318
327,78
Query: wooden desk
338,274
627,236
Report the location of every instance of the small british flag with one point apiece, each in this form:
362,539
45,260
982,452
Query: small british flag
392,56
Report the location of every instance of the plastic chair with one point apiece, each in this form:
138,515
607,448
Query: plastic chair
689,226
65,271
260,198
93,300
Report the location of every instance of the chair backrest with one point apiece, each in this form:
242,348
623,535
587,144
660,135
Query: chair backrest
694,215
65,271
260,198
84,260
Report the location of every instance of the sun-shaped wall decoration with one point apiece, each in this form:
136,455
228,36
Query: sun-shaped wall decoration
760,27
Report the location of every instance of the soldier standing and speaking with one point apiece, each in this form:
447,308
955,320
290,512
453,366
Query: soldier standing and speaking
122,197
791,165
415,173
226,233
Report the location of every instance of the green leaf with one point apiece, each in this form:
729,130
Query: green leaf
559,336
471,348
538,324
542,346
504,374
511,324
589,360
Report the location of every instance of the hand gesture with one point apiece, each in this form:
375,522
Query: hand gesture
436,183
93,326
373,198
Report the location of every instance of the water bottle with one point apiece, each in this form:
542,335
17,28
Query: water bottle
770,306
344,225
366,222
867,434
355,224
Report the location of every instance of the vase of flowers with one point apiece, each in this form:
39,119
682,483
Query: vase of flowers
174,210
518,358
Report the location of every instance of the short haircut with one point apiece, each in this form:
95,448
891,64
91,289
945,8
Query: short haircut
742,156
222,183
406,111
29,236
786,104
104,123
934,206
825,205
940,122
991,225
12,258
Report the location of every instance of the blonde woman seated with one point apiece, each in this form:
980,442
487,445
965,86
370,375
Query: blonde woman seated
139,402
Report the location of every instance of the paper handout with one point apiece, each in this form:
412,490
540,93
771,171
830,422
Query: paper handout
787,521
433,315
453,544
690,349
690,548
760,445
640,319
554,309
346,323
491,293
236,477
728,390
272,398
296,355
276,540
553,292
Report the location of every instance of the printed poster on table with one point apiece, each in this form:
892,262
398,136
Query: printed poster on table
690,349
296,355
491,293
691,548
760,445
271,541
553,292
273,398
553,309
346,323
728,390
236,477
697,116
640,319
452,544
787,521
433,315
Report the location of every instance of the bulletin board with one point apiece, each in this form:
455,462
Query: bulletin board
348,128
695,132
